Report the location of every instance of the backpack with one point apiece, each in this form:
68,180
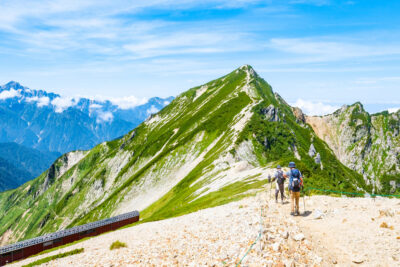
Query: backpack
295,180
280,179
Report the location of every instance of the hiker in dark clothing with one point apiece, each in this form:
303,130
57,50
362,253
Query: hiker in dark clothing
280,181
295,184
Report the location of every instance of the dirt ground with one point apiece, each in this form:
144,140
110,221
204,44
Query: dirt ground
329,232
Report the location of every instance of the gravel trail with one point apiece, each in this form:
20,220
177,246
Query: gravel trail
347,233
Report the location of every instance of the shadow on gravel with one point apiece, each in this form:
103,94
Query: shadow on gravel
306,213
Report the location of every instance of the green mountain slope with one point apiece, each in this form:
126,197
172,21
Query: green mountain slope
369,144
213,144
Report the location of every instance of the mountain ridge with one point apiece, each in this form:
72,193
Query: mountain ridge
367,143
213,144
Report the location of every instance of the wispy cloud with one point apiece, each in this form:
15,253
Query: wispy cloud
311,2
152,110
314,108
393,110
161,47
184,43
126,102
330,49
40,101
62,103
104,117
9,94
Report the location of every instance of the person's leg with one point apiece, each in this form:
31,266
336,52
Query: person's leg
282,190
297,201
292,200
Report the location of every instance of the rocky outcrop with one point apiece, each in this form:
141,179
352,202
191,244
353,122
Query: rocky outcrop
368,144
312,151
300,117
271,113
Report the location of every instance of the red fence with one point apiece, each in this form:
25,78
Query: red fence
27,251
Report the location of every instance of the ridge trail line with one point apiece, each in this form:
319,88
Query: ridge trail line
257,239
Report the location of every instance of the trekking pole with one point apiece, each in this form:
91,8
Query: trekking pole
304,202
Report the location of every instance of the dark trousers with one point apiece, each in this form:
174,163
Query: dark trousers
279,188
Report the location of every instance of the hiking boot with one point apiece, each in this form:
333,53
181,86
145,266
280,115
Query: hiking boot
297,213
292,213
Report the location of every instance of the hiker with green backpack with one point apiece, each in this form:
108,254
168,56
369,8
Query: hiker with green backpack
280,181
295,184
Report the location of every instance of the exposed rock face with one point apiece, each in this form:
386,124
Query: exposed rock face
312,151
271,113
298,113
318,159
369,144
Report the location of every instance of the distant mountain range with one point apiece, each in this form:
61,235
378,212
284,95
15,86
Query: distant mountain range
49,123
19,164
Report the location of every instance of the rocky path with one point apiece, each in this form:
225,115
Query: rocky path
354,231
347,233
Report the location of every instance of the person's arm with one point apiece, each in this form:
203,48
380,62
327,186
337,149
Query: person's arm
290,182
275,176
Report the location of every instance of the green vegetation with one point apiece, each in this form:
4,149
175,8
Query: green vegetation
117,244
187,129
54,257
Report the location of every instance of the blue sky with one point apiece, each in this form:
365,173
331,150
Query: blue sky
318,54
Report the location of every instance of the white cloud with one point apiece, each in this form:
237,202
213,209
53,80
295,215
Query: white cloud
311,2
95,106
128,101
330,49
166,103
393,110
124,102
62,103
9,94
104,117
314,108
185,43
152,110
40,101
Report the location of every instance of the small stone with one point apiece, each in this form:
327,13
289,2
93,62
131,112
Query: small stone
298,237
285,235
358,260
384,225
318,214
276,247
334,261
317,259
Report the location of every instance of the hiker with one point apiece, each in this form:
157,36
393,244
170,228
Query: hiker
280,181
295,184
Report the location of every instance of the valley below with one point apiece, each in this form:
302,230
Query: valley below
334,231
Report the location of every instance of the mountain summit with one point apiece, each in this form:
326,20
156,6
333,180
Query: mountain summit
213,144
